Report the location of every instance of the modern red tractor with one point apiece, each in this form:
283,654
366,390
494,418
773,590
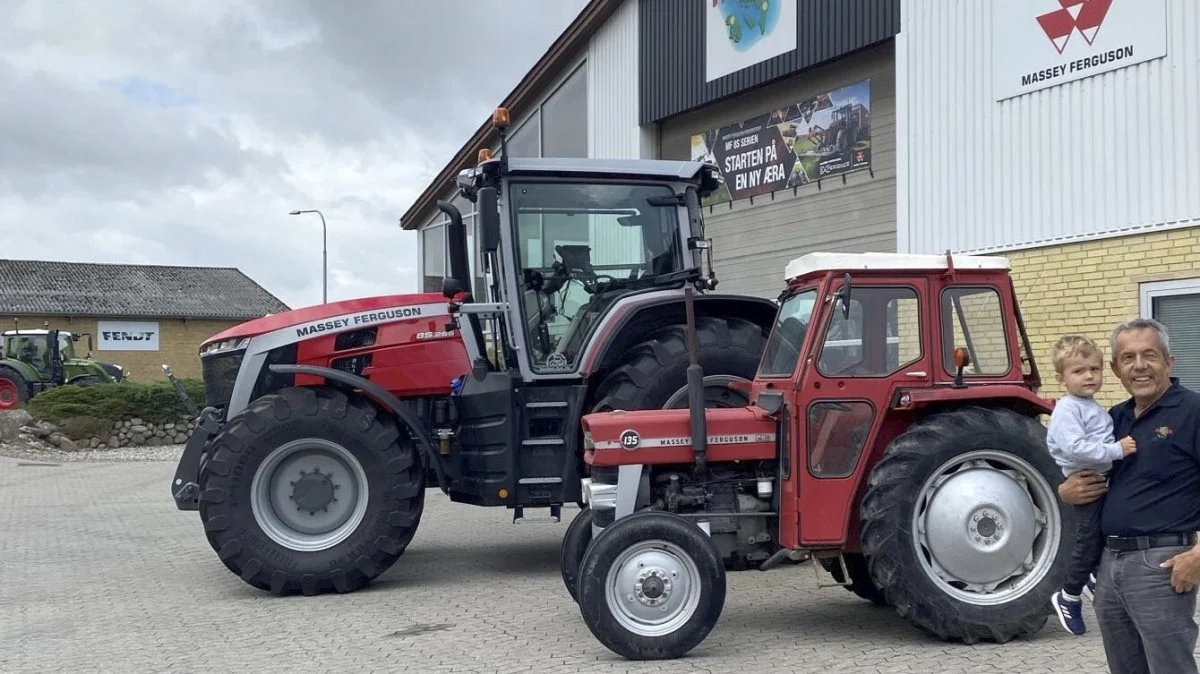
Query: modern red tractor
892,438
324,426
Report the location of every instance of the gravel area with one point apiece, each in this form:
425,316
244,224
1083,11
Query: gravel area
30,452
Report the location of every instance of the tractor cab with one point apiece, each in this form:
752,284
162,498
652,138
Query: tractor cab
38,359
892,439
587,262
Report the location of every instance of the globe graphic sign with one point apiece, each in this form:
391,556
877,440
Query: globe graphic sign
747,22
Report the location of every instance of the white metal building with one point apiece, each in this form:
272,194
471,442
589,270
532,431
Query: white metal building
1063,134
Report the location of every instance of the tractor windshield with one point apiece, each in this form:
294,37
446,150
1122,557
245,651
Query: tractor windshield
579,247
787,338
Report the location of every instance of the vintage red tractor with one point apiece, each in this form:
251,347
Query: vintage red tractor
324,426
892,438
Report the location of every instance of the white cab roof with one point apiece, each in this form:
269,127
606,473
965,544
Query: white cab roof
820,262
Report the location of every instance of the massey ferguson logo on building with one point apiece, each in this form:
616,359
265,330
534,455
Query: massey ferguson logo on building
1044,43
1084,16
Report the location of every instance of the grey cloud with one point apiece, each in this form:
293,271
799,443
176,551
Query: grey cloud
97,138
350,109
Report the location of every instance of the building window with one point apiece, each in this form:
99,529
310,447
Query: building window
1176,304
564,118
433,261
524,142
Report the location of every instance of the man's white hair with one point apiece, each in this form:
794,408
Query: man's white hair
1160,330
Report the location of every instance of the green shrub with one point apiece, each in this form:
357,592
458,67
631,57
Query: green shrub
154,403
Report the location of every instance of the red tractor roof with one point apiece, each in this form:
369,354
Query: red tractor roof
816,264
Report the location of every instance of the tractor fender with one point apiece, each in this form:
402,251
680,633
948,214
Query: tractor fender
635,318
22,368
1014,395
381,396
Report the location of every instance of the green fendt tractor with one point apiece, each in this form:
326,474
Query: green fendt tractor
32,361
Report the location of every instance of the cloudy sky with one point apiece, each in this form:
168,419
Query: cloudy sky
161,132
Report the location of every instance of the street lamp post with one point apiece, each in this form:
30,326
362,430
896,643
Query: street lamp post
324,255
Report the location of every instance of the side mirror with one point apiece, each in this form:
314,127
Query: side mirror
488,209
451,287
962,358
844,296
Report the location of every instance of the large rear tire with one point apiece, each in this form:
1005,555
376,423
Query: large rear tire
311,490
651,586
14,390
962,527
654,374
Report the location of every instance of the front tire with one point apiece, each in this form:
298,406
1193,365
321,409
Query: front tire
310,490
652,586
574,546
962,528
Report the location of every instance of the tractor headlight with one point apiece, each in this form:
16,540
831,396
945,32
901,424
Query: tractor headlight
598,495
224,346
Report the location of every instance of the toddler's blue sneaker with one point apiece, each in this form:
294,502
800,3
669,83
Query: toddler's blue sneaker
1070,613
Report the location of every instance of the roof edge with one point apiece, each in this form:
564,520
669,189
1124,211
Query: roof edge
594,14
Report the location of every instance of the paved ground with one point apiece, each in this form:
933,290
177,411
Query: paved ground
99,572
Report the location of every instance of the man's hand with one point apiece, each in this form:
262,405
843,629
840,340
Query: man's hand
1128,446
1185,570
1082,487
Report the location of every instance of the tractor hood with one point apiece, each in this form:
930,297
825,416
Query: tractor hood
344,308
665,436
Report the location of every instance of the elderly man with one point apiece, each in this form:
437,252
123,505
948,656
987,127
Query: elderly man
1146,586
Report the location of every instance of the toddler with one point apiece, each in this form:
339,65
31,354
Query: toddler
1081,436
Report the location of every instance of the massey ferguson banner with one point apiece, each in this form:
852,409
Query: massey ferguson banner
823,136
1038,44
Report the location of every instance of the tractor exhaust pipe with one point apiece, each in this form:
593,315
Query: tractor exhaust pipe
695,384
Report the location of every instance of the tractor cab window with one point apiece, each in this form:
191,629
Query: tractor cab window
787,338
31,349
579,247
66,348
881,334
973,317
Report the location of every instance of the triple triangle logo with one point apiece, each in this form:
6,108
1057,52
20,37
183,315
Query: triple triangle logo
1086,16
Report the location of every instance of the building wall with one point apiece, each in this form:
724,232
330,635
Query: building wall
179,344
612,68
1107,155
755,238
1088,287
674,49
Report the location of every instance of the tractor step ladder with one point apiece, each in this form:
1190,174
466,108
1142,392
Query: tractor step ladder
540,475
554,518
820,572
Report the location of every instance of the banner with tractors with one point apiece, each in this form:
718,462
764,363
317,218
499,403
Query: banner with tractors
826,135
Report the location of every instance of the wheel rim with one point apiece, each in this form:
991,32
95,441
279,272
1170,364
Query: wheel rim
309,494
653,588
986,527
716,393
10,397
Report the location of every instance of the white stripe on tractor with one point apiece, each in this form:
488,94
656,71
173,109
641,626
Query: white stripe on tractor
735,439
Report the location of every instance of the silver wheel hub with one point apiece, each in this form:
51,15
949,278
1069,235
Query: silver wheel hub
309,494
653,588
982,530
716,393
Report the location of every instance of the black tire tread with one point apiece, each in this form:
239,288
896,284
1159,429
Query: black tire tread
574,545
24,389
886,539
395,511
730,346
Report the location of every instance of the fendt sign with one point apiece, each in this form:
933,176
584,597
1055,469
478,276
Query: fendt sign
1037,44
127,336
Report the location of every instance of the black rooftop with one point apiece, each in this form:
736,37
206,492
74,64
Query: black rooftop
43,288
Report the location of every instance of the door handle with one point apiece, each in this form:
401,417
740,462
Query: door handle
918,373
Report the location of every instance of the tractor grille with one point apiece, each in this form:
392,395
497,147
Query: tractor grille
220,373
